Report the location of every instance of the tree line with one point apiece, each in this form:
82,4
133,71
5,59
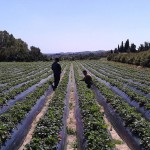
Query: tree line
129,54
78,56
127,48
12,49
139,59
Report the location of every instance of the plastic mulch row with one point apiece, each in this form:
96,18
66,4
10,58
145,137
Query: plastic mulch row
62,144
144,112
118,124
22,95
133,103
20,133
79,124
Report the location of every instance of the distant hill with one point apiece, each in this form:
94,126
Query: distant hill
84,52
79,55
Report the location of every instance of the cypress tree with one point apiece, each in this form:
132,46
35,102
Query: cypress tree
126,49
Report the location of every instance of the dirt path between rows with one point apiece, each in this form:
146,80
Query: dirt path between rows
37,118
120,144
35,122
71,120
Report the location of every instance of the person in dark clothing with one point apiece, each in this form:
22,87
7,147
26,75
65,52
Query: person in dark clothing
87,78
57,71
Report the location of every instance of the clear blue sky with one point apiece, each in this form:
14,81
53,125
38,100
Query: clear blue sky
76,25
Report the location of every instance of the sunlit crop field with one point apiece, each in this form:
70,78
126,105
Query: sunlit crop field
122,91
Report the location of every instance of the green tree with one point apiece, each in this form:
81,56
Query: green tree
126,48
146,46
133,48
35,53
121,50
141,48
12,49
116,50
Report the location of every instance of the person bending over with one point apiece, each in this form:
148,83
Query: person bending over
87,78
57,71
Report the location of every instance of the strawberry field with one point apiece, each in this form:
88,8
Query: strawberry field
122,91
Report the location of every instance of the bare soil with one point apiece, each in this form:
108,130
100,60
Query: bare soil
71,120
36,120
114,134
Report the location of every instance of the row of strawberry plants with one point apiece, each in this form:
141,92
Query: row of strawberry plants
29,82
123,73
9,99
26,69
20,78
142,100
144,88
24,79
130,73
95,129
11,68
133,120
16,114
120,78
121,106
48,132
11,95
129,69
27,78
